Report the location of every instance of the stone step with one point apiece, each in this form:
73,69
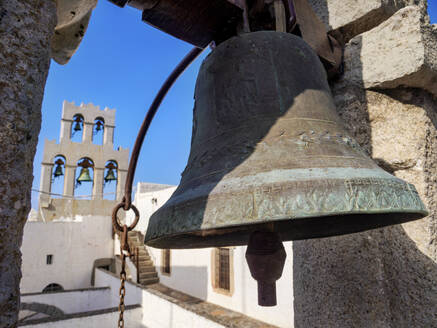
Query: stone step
149,281
141,252
148,268
145,263
140,248
148,275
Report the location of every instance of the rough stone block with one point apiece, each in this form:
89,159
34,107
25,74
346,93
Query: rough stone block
384,277
26,28
352,17
398,128
402,51
403,126
73,18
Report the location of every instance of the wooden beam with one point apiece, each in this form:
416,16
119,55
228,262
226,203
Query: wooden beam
196,21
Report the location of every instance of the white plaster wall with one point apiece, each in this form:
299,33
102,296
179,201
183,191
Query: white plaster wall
160,313
143,201
132,319
74,301
104,278
157,311
74,245
191,274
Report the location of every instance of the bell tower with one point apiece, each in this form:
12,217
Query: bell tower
75,151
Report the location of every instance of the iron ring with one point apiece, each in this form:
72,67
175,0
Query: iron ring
115,222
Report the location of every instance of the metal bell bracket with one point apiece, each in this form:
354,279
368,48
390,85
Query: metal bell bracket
126,202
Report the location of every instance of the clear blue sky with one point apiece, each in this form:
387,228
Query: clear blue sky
121,63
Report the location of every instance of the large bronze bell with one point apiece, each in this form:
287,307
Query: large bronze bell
269,153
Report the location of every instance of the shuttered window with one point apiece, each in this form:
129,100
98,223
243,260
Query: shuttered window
222,270
165,268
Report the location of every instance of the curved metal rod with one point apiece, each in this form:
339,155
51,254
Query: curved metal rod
188,59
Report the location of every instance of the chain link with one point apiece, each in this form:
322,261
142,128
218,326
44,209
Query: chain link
122,291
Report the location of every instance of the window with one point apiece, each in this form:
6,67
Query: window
165,260
222,270
49,259
52,288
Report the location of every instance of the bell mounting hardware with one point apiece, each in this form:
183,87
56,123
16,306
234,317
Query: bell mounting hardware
270,159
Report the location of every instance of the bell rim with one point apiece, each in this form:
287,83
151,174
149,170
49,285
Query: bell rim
370,192
238,234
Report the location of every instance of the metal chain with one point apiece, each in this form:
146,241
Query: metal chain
126,202
122,291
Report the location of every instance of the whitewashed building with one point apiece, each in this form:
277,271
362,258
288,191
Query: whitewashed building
71,260
217,275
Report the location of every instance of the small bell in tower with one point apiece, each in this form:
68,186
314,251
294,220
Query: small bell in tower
110,175
99,125
58,170
77,124
84,175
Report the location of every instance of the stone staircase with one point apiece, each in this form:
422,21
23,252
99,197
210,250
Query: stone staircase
146,270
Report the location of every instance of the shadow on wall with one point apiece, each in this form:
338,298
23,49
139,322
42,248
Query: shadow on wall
371,279
377,278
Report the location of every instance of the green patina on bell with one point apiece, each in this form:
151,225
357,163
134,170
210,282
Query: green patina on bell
58,170
84,176
110,175
269,152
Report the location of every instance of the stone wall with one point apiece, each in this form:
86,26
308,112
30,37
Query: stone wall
27,41
26,27
387,99
73,300
75,243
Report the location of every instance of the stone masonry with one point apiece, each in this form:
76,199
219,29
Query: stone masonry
387,99
72,152
27,41
26,27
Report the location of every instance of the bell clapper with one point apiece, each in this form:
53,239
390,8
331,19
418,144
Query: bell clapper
265,256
